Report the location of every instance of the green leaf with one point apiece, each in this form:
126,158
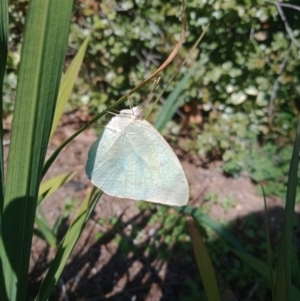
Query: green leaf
67,84
284,270
44,231
263,270
42,57
204,263
3,57
238,98
66,246
53,184
268,246
258,265
201,218
173,102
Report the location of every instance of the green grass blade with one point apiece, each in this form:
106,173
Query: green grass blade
173,102
295,266
268,246
44,231
66,246
258,265
204,264
67,84
53,184
3,57
263,270
284,269
200,217
43,52
67,141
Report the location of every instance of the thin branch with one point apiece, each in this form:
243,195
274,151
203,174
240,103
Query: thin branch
289,6
284,62
283,18
292,6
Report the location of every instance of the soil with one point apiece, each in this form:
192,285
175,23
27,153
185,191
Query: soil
97,269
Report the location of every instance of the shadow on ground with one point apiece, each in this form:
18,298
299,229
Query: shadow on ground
133,260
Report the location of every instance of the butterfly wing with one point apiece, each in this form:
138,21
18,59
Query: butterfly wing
132,160
119,163
171,187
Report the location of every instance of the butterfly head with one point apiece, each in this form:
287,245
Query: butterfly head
137,112
133,113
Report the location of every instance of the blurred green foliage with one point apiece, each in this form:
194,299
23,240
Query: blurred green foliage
244,53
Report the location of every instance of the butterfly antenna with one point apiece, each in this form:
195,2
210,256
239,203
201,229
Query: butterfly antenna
129,101
156,82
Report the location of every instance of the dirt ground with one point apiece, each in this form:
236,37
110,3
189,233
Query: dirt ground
97,270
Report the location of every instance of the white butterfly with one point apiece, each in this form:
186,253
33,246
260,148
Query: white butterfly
132,160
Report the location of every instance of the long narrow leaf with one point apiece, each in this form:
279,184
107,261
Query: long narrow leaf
53,184
3,57
66,246
67,84
258,265
200,217
284,270
295,266
268,246
43,52
263,270
204,264
173,102
44,231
